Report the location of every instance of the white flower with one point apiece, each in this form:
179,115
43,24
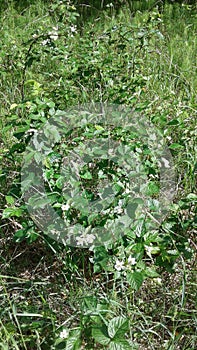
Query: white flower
151,250
45,42
65,207
73,29
131,260
54,34
138,150
148,250
159,280
119,265
85,239
80,240
118,210
153,137
166,162
90,238
64,334
111,151
127,190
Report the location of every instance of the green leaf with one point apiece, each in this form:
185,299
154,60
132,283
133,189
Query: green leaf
117,327
20,235
131,208
27,182
60,182
4,346
121,344
9,212
151,250
20,131
37,203
151,237
87,176
135,279
81,204
74,341
50,104
99,127
60,345
150,272
32,236
100,335
192,197
13,106
152,189
138,200
175,146
101,258
173,122
9,200
52,133
107,192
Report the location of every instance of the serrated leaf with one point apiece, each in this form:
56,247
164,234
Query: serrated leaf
135,279
117,327
73,342
121,344
152,237
100,335
150,272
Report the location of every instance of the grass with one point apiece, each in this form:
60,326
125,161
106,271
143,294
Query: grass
45,287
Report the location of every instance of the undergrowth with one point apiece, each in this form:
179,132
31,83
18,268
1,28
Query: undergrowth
134,292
